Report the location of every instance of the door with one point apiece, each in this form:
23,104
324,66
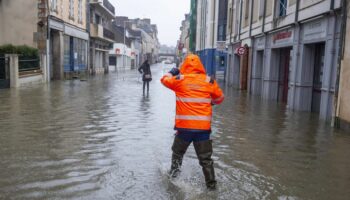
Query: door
283,81
4,76
318,76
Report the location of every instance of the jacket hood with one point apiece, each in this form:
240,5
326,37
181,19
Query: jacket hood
192,65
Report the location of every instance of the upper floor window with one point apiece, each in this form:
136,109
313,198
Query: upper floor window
71,9
80,11
282,8
53,5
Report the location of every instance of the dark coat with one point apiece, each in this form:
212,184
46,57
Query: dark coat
145,69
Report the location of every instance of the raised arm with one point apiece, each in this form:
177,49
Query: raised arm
217,94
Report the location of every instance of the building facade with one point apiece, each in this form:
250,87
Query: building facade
286,51
102,12
211,20
68,38
183,46
56,27
144,36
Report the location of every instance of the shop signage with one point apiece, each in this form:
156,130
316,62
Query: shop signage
241,51
221,45
315,30
117,51
283,37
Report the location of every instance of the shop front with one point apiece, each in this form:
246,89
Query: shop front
297,65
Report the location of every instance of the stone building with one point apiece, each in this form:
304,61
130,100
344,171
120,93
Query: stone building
68,38
102,12
56,27
210,19
290,50
144,36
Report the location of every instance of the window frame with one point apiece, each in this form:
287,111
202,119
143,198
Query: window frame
53,6
71,9
80,11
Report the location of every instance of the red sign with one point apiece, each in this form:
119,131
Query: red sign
133,53
241,51
282,35
117,51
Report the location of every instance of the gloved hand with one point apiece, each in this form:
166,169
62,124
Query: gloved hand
174,71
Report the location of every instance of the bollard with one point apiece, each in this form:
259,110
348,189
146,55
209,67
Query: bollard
13,66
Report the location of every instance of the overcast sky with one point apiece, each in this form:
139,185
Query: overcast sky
167,14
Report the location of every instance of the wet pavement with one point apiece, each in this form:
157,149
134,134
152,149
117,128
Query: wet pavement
102,139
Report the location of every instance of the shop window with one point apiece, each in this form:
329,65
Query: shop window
282,7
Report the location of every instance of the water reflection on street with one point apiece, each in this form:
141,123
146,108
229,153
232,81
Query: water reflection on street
103,139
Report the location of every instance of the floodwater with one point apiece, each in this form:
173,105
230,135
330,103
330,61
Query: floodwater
102,139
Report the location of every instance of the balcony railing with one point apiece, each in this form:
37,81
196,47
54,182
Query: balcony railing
109,6
108,34
104,4
98,31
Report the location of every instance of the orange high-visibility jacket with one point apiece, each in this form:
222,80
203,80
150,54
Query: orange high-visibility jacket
195,94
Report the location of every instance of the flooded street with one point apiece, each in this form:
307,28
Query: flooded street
102,139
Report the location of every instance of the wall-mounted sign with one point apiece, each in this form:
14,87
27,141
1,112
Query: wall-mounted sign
117,51
315,30
283,37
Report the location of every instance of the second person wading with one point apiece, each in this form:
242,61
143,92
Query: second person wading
195,94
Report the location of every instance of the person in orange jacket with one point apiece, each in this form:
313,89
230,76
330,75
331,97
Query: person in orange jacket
195,94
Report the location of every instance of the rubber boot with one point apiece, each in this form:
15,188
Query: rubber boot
179,149
204,150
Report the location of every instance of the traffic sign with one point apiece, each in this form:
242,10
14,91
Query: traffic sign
241,51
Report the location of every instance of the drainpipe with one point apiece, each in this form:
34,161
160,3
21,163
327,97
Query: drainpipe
48,45
251,18
264,18
240,20
296,19
231,20
213,39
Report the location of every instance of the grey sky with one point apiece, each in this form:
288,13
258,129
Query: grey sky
167,14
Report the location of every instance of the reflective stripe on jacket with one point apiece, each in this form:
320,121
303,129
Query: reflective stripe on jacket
195,94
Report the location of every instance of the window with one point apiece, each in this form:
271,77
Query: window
97,19
261,8
246,10
282,8
71,9
80,11
53,5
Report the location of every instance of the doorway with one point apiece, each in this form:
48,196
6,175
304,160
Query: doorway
317,77
4,73
283,74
